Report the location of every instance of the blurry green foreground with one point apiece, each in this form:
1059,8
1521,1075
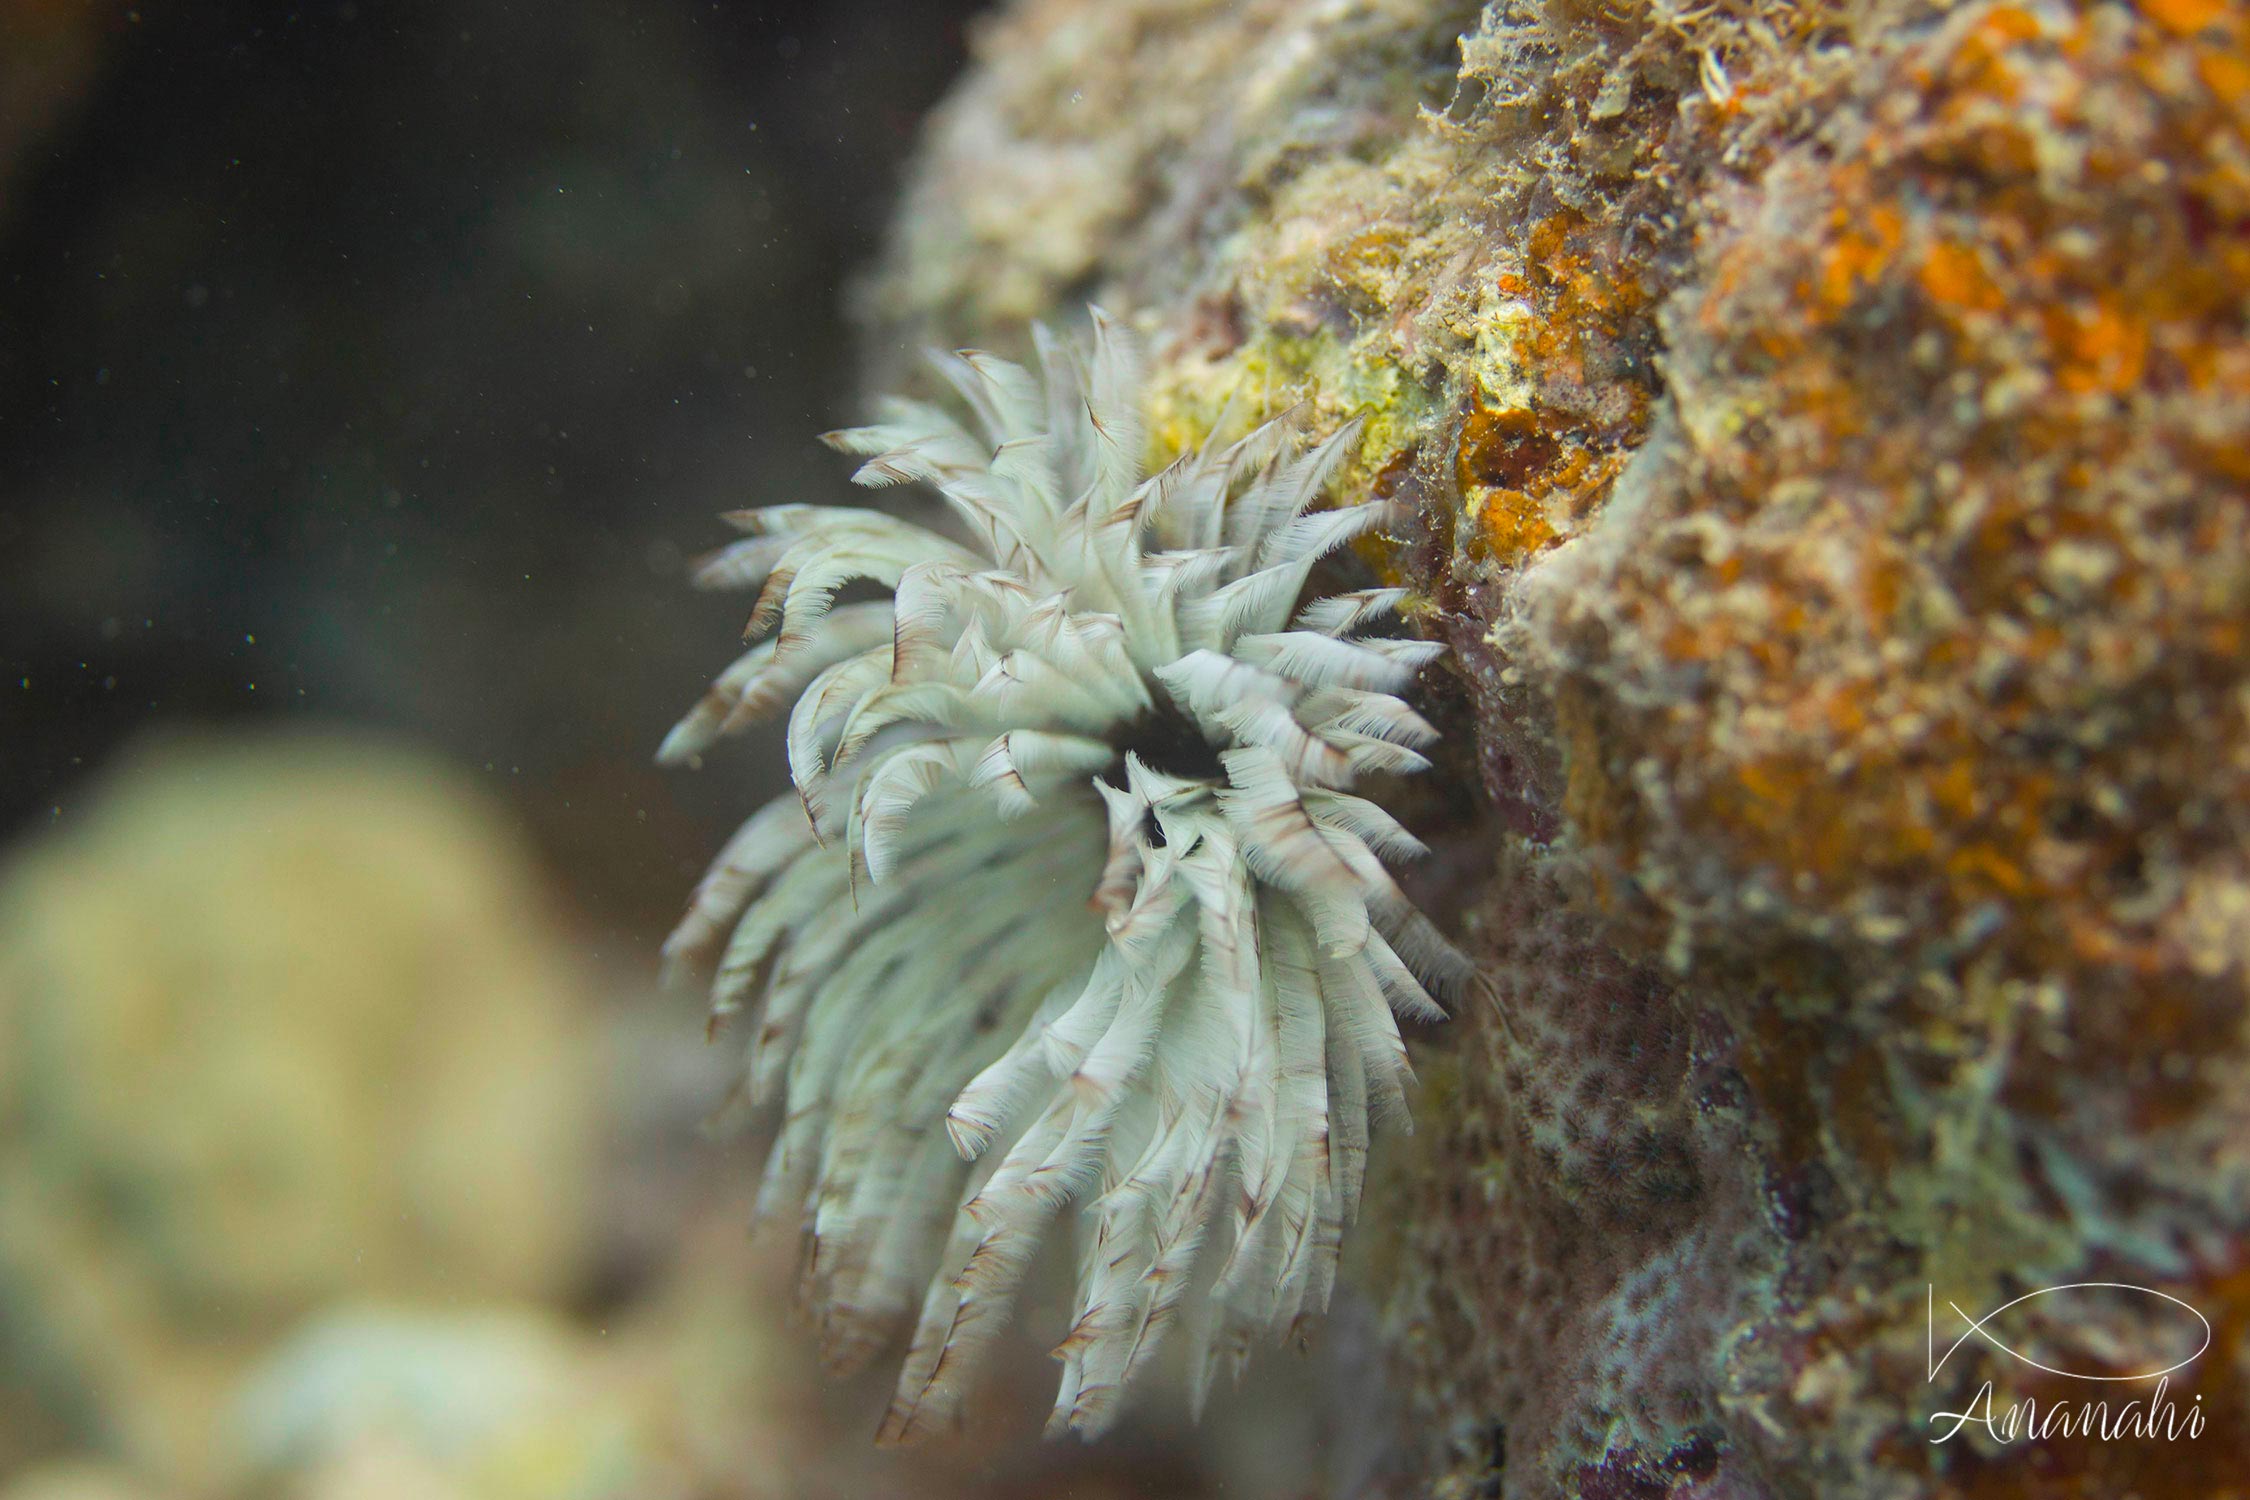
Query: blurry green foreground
333,1168
301,1121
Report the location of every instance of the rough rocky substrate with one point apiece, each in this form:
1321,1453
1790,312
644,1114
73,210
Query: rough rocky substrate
1828,425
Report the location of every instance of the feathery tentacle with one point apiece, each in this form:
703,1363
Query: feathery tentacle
1070,871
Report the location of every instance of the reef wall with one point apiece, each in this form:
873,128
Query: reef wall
1829,427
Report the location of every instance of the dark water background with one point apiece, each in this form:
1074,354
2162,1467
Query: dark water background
378,364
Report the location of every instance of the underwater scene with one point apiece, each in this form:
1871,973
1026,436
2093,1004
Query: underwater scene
1273,749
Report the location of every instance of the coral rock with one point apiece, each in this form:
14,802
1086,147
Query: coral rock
1827,428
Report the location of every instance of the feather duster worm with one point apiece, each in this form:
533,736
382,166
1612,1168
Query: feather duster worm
1071,870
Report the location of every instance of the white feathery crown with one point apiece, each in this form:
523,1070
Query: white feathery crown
1071,869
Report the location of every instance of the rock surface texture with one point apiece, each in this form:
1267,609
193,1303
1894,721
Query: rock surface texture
1829,428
